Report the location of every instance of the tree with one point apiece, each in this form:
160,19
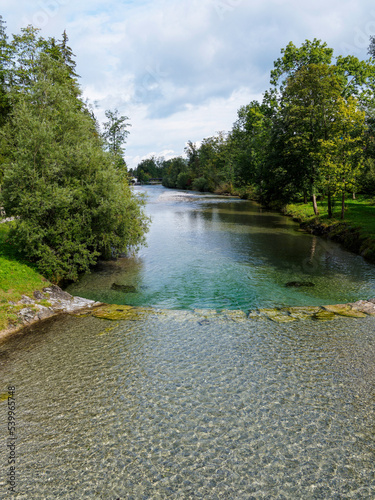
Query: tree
115,133
215,163
72,203
341,156
295,58
172,169
67,55
371,48
192,154
249,141
149,168
289,162
4,69
25,50
320,125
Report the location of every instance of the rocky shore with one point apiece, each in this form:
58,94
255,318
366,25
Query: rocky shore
44,304
53,301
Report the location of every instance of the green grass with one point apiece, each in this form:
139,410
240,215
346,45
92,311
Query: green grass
359,213
17,278
356,232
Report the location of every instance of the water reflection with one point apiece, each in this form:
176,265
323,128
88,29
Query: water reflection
216,252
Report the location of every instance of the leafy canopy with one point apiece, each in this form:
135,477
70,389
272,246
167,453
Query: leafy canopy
72,204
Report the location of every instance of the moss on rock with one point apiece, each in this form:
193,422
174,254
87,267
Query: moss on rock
301,313
324,315
345,310
115,312
277,315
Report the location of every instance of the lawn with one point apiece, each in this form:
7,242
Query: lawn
359,213
17,278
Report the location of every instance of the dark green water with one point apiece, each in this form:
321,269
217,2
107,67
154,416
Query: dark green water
213,252
184,404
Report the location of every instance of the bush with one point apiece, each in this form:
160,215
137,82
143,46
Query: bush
200,184
367,178
183,179
73,205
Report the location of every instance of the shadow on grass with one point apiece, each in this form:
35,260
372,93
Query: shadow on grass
9,252
359,213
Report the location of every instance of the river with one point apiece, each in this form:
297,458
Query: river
225,253
179,403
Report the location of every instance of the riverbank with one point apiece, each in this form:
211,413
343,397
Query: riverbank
25,295
356,232
41,305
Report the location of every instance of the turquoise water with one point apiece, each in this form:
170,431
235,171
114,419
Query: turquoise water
206,251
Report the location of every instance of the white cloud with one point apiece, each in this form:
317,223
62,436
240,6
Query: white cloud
180,70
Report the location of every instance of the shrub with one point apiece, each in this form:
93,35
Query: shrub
73,205
200,184
183,179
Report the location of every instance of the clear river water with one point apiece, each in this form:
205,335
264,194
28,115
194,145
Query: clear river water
179,403
206,251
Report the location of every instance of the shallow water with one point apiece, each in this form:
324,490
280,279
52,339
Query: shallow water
225,253
175,405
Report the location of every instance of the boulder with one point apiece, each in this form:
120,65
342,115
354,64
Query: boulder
298,284
123,288
345,310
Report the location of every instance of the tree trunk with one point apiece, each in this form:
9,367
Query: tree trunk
329,202
305,198
315,206
354,195
343,205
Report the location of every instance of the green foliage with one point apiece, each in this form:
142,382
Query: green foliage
201,184
67,55
183,180
308,117
172,169
115,132
150,168
4,63
366,180
72,203
295,58
249,144
25,49
317,126
17,277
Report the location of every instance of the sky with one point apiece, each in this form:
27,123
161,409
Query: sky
181,69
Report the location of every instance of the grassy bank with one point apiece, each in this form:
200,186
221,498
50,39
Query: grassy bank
356,232
17,278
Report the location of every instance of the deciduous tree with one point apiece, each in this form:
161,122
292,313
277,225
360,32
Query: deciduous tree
72,203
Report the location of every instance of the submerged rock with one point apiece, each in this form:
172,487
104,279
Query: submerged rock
324,315
255,314
277,315
345,310
302,312
116,312
123,288
235,315
364,306
298,284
